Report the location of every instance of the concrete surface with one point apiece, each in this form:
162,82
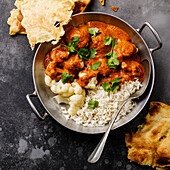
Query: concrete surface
28,143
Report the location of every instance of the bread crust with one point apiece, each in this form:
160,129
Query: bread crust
150,145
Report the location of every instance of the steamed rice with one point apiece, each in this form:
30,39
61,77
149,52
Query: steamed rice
108,105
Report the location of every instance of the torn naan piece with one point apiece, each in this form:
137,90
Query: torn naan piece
40,16
15,22
150,145
37,18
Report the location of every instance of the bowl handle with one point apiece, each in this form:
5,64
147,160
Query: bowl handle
28,97
154,33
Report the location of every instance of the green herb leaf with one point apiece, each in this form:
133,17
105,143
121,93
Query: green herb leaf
106,86
114,43
75,40
115,87
95,66
93,53
93,31
108,55
83,54
112,62
71,45
66,77
72,48
107,41
92,104
115,84
116,80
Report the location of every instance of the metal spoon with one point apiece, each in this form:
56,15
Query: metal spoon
95,155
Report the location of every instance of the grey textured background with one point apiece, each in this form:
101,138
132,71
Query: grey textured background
26,142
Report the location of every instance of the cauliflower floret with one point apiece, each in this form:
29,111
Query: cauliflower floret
92,83
48,81
77,100
73,110
77,88
56,88
72,94
66,90
65,87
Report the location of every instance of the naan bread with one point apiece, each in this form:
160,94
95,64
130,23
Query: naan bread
150,145
15,22
37,18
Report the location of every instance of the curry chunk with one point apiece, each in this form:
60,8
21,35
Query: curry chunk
81,32
59,54
97,42
125,49
73,64
104,70
53,71
133,67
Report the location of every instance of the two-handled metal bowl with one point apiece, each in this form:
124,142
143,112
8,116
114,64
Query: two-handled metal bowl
46,96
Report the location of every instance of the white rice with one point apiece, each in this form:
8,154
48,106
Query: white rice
108,105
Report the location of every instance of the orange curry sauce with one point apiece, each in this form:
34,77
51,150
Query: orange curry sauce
60,60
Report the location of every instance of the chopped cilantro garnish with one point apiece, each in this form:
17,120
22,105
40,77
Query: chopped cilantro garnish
115,85
93,31
72,48
66,77
116,80
106,86
107,41
95,66
93,53
92,104
112,60
83,54
74,40
72,44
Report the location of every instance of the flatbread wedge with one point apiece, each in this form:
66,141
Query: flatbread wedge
15,22
37,18
150,145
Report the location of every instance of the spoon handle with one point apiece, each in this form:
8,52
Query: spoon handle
95,155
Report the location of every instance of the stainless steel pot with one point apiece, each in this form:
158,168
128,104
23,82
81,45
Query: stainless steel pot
46,96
